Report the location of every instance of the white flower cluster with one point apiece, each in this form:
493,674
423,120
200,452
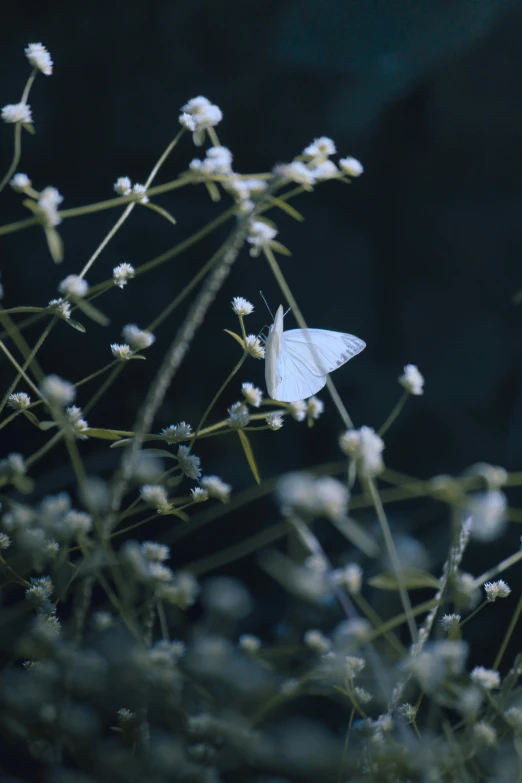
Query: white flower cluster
57,391
39,58
61,308
198,115
308,496
47,207
317,165
122,273
177,432
21,183
411,380
365,446
74,286
124,187
260,235
17,112
217,161
242,306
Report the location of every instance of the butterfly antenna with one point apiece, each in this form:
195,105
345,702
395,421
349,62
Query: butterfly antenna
266,303
285,314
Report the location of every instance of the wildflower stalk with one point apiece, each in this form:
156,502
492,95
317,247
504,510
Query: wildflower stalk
509,633
216,398
176,353
394,414
390,545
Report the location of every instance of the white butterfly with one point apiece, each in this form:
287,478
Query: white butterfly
298,360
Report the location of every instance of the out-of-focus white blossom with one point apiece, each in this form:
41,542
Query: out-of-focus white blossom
412,380
39,58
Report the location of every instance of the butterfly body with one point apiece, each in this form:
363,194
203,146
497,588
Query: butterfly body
297,361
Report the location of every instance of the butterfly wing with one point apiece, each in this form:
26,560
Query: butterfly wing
301,368
321,350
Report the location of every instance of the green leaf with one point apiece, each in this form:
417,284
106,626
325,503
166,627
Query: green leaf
121,443
162,212
286,207
353,531
92,312
32,418
413,579
159,453
104,434
236,337
76,325
249,454
55,244
279,248
46,425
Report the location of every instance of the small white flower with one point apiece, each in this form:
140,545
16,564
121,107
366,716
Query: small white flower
450,622
155,553
17,112
74,286
57,391
138,339
412,380
218,161
155,495
351,166
349,577
216,488
242,306
39,58
140,192
252,394
79,425
295,172
366,447
513,717
5,541
325,170
238,416
320,149
198,115
408,712
20,183
354,665
494,590
484,733
177,432
331,497
48,203
298,410
13,465
79,522
260,234
317,642
199,495
486,678
123,186
274,421
189,463
122,273
362,695
253,347
314,407
19,401
121,352
488,515
244,189
249,643
61,308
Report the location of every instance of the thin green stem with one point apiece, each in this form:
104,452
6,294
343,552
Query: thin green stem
216,398
508,634
393,415
390,545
